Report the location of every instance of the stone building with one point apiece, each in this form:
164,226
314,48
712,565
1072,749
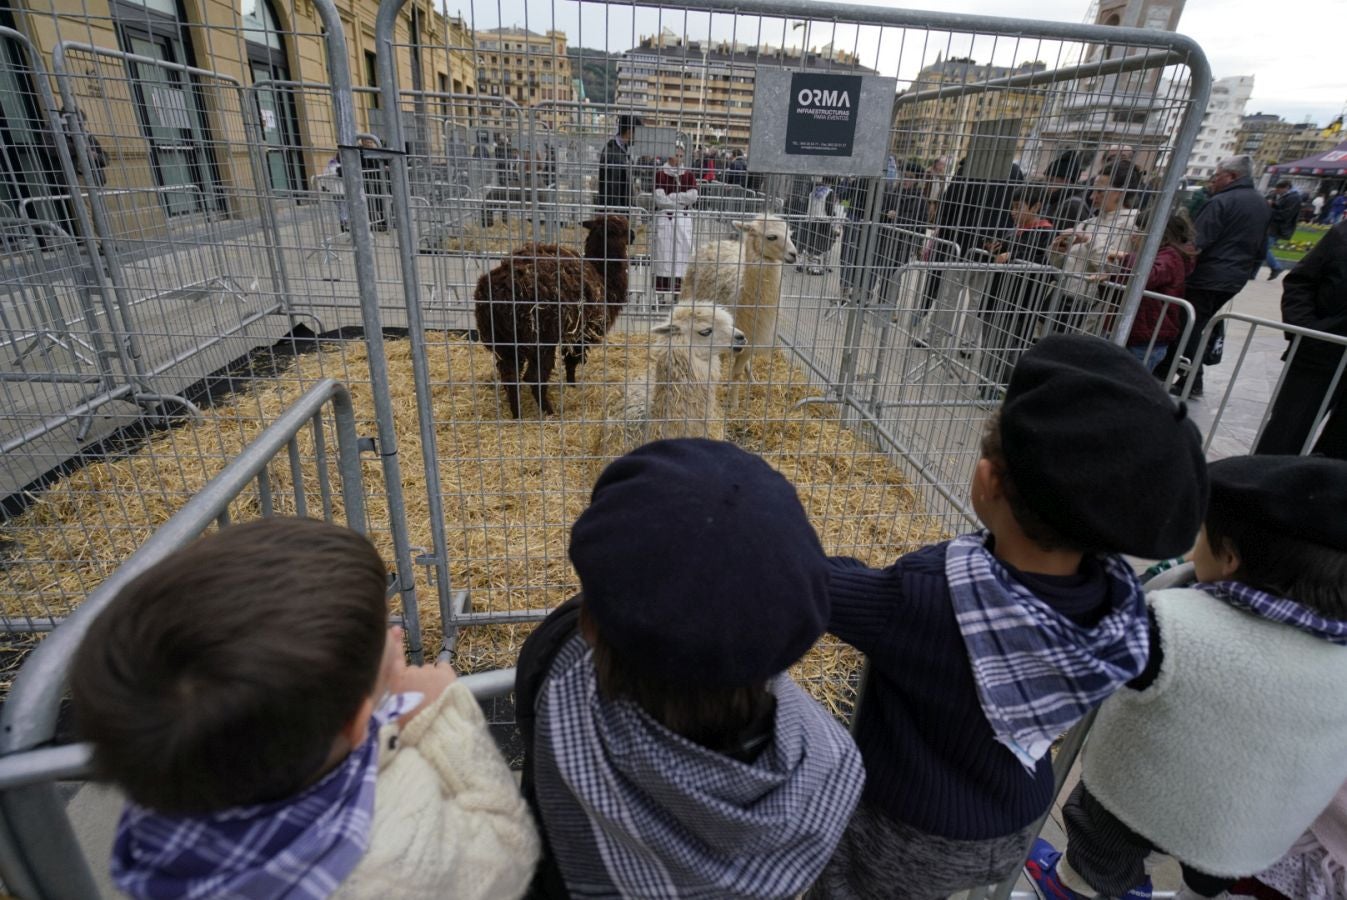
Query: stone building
177,143
524,67
933,119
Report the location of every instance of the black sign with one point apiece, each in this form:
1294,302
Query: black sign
822,117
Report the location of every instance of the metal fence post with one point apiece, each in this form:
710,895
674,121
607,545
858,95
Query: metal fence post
343,108
408,244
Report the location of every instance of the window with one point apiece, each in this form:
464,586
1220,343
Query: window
372,77
169,108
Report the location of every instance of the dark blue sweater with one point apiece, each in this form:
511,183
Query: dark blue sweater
931,760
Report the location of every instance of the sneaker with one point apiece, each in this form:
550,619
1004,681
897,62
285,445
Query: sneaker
1275,274
1041,867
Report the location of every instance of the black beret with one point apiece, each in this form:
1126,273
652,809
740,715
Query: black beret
1096,447
698,565
1301,496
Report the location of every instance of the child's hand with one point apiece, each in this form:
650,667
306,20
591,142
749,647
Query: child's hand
427,680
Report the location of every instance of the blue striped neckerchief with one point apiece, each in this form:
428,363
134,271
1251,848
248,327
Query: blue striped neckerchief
299,848
1038,673
1276,609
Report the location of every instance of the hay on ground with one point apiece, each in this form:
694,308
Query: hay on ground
510,489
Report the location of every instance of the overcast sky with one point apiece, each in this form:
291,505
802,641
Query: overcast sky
1297,60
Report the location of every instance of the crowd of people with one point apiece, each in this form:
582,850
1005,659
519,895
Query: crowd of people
248,697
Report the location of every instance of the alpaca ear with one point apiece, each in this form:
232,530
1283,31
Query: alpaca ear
590,223
671,327
741,226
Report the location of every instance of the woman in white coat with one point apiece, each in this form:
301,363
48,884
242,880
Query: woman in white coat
675,195
1086,252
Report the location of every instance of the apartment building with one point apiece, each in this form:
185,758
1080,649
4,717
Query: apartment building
526,68
1220,125
933,119
705,89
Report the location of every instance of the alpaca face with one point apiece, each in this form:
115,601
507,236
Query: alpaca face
769,237
706,328
616,230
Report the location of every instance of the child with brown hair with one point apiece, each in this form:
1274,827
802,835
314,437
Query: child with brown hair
248,697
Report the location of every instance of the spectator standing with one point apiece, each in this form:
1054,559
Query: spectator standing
736,172
1314,296
675,194
1225,748
984,649
1066,203
1318,203
1336,207
1231,242
1173,263
1012,304
615,166
1284,202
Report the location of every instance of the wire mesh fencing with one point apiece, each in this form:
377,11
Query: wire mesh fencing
425,207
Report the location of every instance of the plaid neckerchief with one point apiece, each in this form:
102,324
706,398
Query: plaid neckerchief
670,818
1037,672
300,847
1276,609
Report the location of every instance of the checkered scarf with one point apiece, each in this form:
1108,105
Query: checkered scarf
1277,609
300,848
1037,672
670,818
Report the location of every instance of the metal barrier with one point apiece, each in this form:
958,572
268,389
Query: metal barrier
1152,351
41,856
483,503
1305,397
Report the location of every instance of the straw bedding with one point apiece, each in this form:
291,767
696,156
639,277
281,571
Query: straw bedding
510,489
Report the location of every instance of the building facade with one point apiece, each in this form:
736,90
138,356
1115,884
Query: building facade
1220,125
1135,111
177,144
1269,139
525,68
705,89
934,119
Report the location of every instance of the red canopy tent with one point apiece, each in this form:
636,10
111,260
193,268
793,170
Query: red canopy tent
1329,164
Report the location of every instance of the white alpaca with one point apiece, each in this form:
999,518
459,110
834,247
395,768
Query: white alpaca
678,398
745,276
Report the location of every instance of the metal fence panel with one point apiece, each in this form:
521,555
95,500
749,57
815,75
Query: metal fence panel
871,390
208,280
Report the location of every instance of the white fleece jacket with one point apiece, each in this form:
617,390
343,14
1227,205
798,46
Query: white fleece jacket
448,817
1236,747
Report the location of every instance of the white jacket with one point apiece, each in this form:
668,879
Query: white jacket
448,817
1236,747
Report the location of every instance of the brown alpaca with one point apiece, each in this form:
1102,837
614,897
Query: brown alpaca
543,296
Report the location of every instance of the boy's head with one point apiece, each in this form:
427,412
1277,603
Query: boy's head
701,578
224,675
1092,455
1279,524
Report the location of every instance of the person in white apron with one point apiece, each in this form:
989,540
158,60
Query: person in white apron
675,195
